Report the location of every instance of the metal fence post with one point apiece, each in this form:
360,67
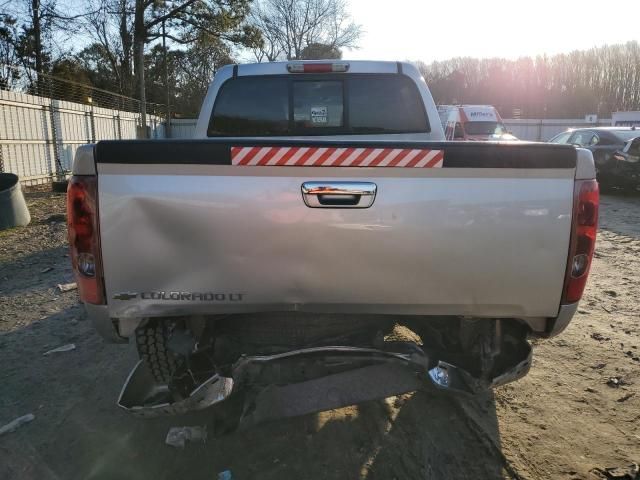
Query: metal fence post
87,122
92,121
119,126
540,130
54,139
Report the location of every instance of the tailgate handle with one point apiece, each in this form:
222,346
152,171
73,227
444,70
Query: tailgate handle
339,194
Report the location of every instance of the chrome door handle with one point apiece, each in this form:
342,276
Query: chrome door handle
339,194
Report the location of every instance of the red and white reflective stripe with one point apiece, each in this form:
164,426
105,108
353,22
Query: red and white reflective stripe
337,157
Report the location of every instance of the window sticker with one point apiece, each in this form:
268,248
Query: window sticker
319,115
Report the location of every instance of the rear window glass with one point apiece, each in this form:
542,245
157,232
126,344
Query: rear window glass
318,105
252,106
626,135
389,104
484,128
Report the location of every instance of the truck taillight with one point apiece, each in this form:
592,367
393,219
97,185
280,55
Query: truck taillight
84,238
317,67
583,239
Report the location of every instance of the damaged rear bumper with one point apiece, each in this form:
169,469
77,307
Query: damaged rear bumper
361,374
142,396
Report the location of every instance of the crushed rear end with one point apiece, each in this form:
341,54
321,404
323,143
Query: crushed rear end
301,286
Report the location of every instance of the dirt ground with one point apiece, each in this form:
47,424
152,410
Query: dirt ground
576,413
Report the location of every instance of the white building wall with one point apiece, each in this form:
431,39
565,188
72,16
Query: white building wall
183,127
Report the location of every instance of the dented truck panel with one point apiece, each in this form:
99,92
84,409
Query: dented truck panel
210,239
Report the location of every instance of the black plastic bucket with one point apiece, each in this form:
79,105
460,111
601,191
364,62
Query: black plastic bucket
13,208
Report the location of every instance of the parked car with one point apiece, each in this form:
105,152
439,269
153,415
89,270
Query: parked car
626,164
603,142
318,207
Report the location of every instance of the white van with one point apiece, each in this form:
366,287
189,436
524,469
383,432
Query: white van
625,119
473,122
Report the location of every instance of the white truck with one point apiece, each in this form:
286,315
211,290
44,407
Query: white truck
473,122
625,119
319,244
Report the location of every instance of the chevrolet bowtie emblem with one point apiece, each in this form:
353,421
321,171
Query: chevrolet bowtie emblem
124,296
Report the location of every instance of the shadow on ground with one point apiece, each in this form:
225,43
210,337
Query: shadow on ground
35,271
618,214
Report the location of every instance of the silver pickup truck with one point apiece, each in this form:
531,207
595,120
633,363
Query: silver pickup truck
319,244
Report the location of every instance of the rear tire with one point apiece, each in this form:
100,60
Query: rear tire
151,341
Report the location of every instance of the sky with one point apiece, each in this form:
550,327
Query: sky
431,30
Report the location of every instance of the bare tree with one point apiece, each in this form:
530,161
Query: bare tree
569,85
8,49
123,28
181,21
110,24
194,69
39,20
270,45
288,27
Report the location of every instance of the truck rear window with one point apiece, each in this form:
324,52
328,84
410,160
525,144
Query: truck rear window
249,106
385,105
318,105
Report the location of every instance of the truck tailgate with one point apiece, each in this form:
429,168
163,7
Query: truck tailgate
184,230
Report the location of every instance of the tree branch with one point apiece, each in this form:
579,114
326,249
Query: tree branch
170,14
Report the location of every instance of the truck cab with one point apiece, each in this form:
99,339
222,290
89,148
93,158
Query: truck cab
319,99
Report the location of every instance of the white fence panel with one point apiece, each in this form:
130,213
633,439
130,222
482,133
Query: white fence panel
28,158
34,131
183,127
24,130
128,125
105,127
72,125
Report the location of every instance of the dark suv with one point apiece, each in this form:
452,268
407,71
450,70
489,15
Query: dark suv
603,143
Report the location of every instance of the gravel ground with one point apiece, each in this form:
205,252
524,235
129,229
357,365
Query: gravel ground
576,413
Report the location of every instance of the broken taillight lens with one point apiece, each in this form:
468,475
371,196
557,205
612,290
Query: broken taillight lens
84,237
583,239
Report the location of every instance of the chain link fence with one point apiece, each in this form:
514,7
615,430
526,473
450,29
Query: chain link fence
44,119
